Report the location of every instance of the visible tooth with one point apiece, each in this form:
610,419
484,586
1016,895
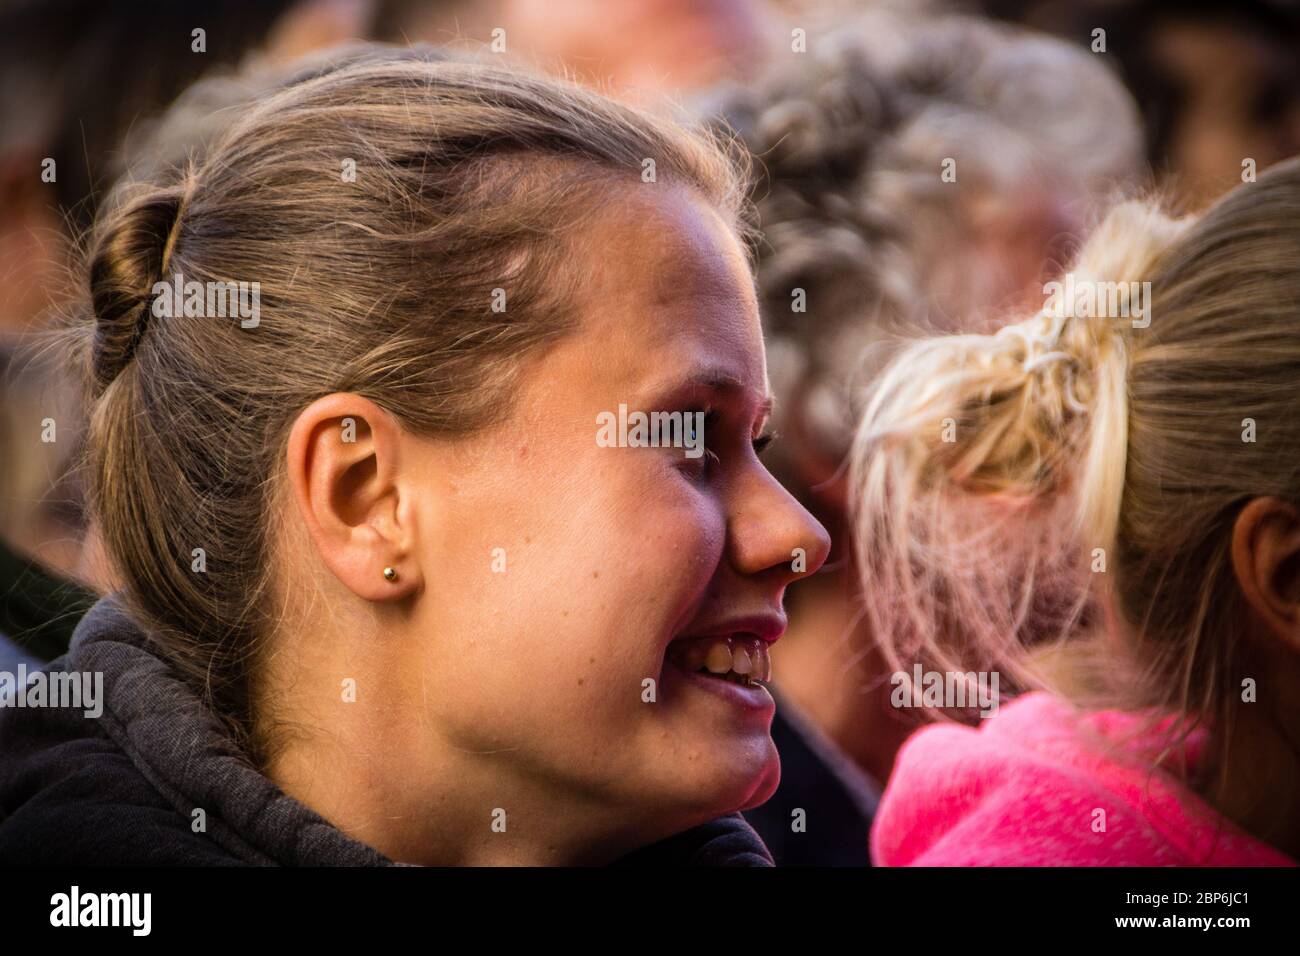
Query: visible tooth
741,662
695,654
718,659
763,669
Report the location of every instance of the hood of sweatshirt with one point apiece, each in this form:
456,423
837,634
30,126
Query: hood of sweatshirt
1043,784
154,778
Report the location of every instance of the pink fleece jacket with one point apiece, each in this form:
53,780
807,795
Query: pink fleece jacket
1024,790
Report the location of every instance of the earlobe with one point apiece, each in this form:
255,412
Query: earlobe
1266,562
343,461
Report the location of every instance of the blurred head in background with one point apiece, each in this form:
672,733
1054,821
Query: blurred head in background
865,237
640,50
1217,82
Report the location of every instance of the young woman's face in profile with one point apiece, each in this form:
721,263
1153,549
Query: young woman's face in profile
566,576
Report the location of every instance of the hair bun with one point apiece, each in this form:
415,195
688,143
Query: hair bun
1129,242
128,255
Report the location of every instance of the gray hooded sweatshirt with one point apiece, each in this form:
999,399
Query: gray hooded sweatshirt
125,787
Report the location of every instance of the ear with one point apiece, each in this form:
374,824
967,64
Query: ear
1266,561
344,466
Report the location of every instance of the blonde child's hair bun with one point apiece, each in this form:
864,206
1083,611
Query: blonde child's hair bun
983,460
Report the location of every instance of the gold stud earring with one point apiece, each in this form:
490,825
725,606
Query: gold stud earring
390,574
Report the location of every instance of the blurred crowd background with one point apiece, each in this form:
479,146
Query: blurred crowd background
1050,109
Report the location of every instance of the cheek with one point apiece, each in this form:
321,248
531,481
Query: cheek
635,547
555,589
669,528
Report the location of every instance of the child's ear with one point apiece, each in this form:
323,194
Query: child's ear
1266,561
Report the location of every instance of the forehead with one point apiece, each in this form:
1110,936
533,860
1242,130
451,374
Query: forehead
669,290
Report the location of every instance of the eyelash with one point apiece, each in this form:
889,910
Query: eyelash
760,443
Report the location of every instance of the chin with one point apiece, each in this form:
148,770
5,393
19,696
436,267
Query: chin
736,780
766,785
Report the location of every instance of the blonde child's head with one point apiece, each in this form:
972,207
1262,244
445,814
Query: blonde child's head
1115,473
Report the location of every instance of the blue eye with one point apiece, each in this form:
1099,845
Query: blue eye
697,426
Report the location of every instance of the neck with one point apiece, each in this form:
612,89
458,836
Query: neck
378,768
1261,774
466,813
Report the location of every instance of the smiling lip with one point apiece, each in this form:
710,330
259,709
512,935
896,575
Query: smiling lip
730,659
752,698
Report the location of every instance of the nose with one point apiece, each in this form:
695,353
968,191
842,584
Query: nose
770,534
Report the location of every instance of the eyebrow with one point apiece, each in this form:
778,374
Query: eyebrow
715,379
